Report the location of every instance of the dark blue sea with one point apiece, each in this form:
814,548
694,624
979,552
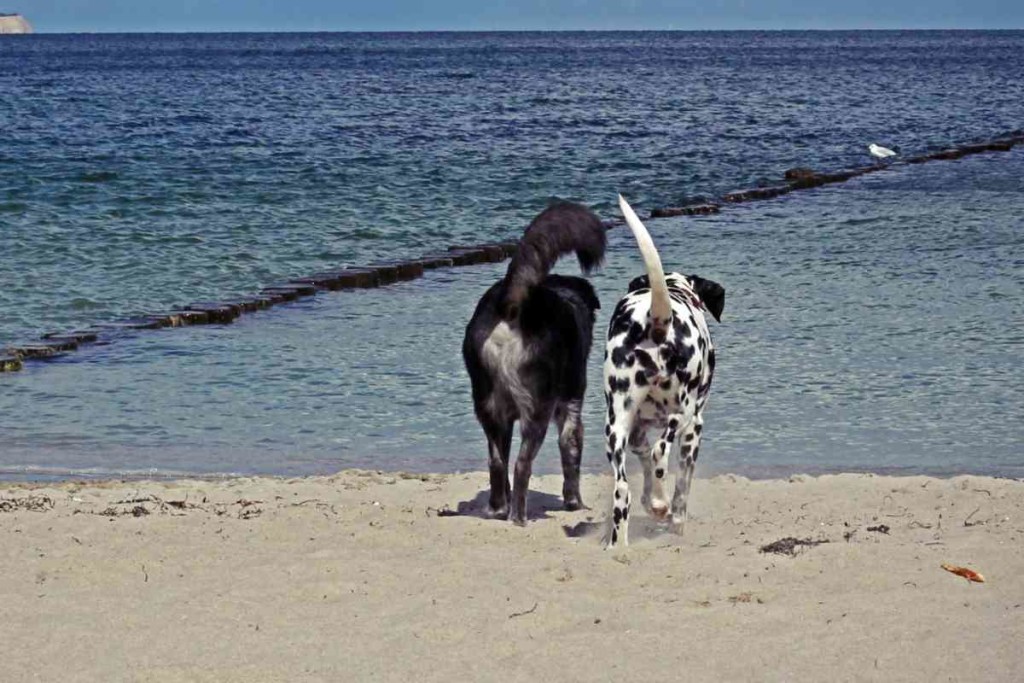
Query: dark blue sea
876,325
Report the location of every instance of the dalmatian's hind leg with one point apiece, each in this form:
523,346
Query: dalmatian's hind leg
616,437
641,447
687,461
658,506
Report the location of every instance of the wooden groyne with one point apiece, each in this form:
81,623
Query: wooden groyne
57,344
796,179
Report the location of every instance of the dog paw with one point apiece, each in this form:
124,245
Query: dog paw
615,539
658,509
573,504
496,513
677,526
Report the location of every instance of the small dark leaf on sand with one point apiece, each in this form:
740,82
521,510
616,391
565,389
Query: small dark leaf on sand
788,545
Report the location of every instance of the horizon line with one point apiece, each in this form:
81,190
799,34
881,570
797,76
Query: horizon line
529,30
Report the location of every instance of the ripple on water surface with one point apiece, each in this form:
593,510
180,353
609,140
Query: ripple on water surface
865,329
869,326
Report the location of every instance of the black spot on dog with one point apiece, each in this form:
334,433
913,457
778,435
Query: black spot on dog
625,515
659,473
618,384
680,356
640,378
646,362
636,334
621,357
666,385
612,441
615,537
617,515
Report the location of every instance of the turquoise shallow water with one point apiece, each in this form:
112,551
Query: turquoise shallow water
870,326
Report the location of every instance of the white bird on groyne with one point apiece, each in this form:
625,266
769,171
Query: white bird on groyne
880,152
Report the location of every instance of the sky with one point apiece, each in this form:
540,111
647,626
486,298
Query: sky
61,16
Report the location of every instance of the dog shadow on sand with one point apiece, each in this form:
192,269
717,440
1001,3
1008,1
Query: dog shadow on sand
538,504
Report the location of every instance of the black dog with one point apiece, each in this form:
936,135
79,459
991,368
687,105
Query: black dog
526,351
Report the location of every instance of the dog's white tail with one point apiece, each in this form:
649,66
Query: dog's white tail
661,305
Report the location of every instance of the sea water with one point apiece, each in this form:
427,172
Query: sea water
874,325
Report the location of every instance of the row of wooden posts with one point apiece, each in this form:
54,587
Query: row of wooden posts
56,344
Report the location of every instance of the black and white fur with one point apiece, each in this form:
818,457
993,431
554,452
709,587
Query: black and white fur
657,371
526,351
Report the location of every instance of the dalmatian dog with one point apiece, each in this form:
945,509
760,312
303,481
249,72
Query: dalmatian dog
658,366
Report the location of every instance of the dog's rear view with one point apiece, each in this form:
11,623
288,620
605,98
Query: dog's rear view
658,367
526,351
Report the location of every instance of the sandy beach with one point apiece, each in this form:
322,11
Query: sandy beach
387,576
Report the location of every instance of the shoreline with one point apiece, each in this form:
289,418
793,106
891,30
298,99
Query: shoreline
35,477
389,576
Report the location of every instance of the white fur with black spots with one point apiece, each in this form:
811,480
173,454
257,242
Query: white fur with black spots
658,369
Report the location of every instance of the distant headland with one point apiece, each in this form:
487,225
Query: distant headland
14,23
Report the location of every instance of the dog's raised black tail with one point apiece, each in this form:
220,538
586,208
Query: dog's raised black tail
559,229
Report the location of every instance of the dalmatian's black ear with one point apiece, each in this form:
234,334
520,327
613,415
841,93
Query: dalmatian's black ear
711,294
640,282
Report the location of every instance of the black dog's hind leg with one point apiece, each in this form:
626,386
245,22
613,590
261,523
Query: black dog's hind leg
532,430
570,445
499,442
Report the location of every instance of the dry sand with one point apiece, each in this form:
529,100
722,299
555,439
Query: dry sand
369,576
